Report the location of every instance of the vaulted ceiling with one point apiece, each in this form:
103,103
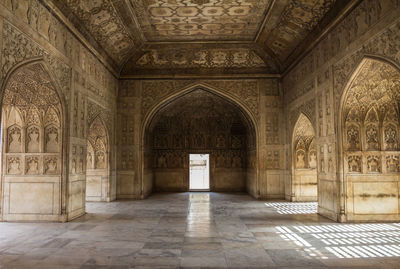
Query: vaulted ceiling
191,36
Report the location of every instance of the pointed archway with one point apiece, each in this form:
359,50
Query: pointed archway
97,163
33,148
369,145
304,185
245,162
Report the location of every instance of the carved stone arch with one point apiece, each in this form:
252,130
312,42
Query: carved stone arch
53,79
349,70
304,161
97,126
95,111
150,113
308,110
183,91
175,93
371,129
373,89
372,115
30,85
13,116
33,117
51,116
97,163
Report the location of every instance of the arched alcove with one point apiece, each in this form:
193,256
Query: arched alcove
32,146
304,165
199,120
369,143
97,162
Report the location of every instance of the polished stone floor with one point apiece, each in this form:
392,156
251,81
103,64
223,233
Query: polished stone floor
199,230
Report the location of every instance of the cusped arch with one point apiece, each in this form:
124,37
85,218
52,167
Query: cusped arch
47,70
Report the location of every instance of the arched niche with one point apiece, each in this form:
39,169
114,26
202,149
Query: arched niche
97,162
369,150
33,178
176,146
304,182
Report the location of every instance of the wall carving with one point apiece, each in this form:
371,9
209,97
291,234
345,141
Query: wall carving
201,121
305,150
371,117
33,115
246,90
97,148
94,111
308,109
17,48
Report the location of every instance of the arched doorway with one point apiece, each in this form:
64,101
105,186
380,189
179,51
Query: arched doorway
97,166
32,146
370,145
199,121
304,164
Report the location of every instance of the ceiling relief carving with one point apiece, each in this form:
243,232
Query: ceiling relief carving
142,33
200,58
188,20
102,21
297,19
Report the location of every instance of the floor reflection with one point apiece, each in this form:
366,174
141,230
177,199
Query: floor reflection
200,221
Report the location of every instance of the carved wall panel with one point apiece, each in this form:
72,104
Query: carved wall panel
370,112
304,164
245,90
371,119
97,162
370,29
32,118
31,31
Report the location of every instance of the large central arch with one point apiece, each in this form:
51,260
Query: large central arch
146,180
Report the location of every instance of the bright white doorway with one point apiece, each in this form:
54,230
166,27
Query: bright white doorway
199,174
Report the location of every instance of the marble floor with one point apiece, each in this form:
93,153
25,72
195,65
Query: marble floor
199,230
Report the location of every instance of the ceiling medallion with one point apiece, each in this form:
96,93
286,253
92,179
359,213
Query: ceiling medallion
200,2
